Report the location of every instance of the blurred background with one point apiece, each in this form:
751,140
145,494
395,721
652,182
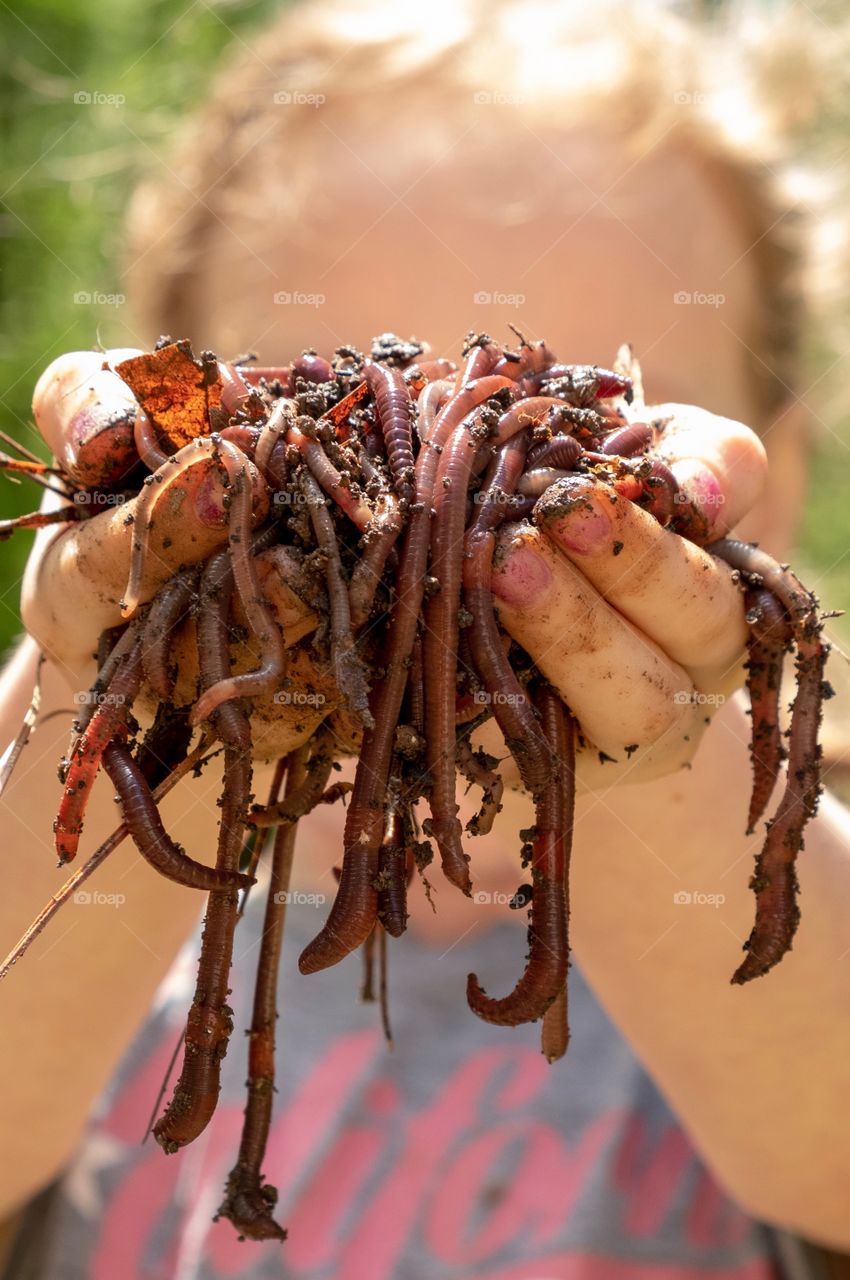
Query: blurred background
91,97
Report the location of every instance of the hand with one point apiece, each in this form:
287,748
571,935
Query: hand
641,631
77,572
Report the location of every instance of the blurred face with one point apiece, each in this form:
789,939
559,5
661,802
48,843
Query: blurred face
572,238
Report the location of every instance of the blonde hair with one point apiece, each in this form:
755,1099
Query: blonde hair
742,91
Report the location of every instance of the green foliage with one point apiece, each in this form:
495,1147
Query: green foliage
68,169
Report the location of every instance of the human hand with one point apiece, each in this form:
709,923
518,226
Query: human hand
642,631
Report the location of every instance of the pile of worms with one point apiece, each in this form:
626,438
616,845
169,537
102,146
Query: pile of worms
389,476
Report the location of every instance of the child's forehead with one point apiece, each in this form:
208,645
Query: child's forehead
577,236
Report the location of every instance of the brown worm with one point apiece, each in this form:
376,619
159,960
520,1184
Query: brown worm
775,877
210,1024
545,973
169,609
249,1200
769,640
392,876
141,816
393,407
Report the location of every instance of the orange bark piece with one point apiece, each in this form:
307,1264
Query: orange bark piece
173,391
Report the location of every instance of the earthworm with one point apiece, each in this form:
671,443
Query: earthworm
637,437
769,638
561,451
507,698
147,443
142,819
380,537
441,622
113,706
392,875
476,766
775,877
210,1023
555,1035
349,672
249,1200
202,450
392,405
335,484
312,367
169,609
430,401
353,913
545,973
269,675
301,800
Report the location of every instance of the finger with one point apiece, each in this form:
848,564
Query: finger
719,464
672,590
625,692
76,577
85,413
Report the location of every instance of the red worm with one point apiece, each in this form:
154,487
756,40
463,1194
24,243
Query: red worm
301,800
775,877
392,877
441,623
637,437
210,1024
249,1201
545,974
113,706
770,636
141,815
476,767
555,1034
394,410
349,671
168,611
353,914
508,699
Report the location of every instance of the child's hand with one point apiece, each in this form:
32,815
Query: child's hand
77,574
641,631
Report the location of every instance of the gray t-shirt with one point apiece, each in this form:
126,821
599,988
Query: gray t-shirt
461,1155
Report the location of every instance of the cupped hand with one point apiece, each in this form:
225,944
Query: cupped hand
640,630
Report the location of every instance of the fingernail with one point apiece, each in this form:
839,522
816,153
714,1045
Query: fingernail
208,500
701,485
585,529
522,578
